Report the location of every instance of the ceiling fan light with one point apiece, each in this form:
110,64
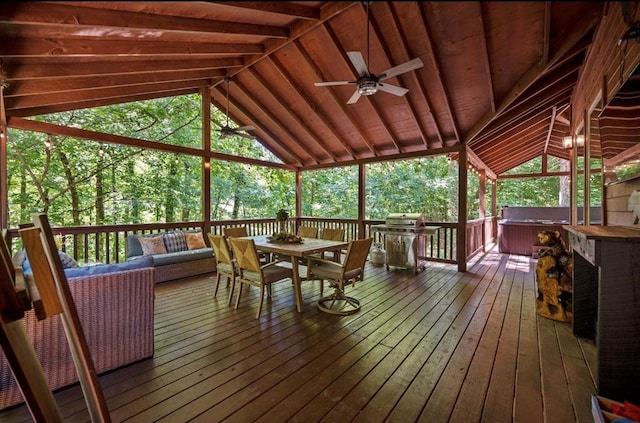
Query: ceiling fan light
367,88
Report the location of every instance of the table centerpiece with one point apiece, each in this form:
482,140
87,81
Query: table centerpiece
283,235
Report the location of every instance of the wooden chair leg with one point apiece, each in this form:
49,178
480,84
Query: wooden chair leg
261,299
239,295
233,287
215,291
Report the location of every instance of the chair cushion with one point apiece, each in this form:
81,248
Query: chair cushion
271,274
224,267
326,271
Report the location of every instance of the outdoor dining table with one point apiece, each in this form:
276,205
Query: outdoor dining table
295,251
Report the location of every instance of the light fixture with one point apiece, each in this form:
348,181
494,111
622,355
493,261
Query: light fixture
567,142
367,87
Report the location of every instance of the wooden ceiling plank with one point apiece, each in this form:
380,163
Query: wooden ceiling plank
78,16
286,75
327,12
281,8
275,122
61,47
538,98
339,103
292,113
402,46
101,93
73,68
439,72
89,104
532,75
486,63
42,86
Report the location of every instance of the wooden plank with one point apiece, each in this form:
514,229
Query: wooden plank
528,396
557,399
441,403
499,401
470,400
581,385
439,344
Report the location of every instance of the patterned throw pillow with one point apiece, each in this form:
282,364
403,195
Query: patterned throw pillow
152,245
175,241
195,240
67,261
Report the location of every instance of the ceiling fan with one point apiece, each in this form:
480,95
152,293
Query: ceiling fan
227,131
369,83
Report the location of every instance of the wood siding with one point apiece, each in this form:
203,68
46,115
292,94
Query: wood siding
617,200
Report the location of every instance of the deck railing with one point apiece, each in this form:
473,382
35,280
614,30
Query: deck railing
107,243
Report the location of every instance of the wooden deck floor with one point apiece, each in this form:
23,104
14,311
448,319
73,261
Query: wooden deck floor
436,346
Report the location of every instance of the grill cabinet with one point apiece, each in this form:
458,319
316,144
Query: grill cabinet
404,240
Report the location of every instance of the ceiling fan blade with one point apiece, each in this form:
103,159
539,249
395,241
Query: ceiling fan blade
330,83
218,124
245,128
397,70
393,89
354,97
248,136
358,62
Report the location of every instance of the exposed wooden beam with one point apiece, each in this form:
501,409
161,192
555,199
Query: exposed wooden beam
124,22
74,67
55,85
300,121
259,105
98,94
49,128
286,75
62,47
339,104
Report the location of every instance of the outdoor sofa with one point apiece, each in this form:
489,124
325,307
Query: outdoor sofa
174,254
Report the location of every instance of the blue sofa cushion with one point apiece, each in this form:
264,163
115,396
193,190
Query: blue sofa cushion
181,256
67,262
109,268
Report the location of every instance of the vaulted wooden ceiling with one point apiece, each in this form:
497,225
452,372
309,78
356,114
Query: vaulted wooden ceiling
497,76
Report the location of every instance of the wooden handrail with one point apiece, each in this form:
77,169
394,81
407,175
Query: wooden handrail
107,243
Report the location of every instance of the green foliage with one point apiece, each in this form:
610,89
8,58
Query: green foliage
331,193
550,191
80,182
424,185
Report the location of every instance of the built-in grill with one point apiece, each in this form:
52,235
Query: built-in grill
404,239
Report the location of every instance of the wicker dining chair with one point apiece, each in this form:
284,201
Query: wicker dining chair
235,231
254,273
225,264
340,274
308,231
240,231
